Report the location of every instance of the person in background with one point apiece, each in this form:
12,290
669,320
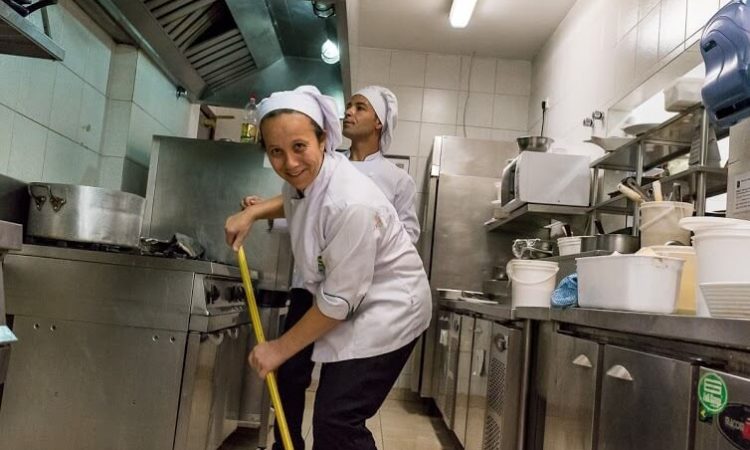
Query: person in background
369,122
371,295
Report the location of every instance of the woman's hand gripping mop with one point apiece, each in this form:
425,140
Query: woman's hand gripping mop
273,389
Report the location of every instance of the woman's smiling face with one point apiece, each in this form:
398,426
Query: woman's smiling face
294,148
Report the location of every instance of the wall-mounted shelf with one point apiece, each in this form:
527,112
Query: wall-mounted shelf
533,216
20,37
716,183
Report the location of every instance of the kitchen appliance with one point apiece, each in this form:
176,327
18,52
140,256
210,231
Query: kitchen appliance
10,239
148,349
84,214
728,429
546,178
460,187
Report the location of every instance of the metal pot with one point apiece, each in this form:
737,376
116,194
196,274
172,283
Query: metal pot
620,243
85,214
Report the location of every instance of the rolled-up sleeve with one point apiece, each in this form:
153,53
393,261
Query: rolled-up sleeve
348,260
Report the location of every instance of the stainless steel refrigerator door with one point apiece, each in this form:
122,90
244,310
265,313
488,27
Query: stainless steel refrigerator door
463,378
646,402
730,429
460,189
478,384
503,389
571,408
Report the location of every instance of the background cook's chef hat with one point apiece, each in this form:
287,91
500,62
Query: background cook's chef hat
309,101
384,103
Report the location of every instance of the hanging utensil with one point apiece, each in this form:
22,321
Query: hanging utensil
544,114
273,388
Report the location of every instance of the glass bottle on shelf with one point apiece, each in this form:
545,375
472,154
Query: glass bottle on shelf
249,132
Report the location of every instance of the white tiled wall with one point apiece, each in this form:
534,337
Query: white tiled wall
52,114
601,52
440,94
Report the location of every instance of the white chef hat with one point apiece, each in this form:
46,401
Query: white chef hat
384,103
309,101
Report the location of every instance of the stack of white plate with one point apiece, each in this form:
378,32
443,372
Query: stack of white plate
727,300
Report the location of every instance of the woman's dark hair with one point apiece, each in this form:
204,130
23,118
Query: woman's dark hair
319,133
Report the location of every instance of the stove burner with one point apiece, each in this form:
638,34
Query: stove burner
143,250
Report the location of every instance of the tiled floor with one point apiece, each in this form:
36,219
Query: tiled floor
401,424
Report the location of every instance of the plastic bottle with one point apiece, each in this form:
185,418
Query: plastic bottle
249,132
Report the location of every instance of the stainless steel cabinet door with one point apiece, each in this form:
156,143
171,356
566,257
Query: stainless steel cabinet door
463,374
478,384
730,428
503,389
569,420
441,355
645,402
451,368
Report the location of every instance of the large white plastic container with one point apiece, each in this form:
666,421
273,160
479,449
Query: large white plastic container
688,284
722,257
660,222
532,282
629,282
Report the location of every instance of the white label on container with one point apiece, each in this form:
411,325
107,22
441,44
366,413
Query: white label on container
742,193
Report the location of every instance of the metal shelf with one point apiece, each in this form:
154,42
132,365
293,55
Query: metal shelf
716,183
669,140
531,216
19,36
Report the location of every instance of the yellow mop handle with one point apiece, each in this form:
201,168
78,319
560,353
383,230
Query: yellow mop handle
273,388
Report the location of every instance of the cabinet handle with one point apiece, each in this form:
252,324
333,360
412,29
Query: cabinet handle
582,361
619,372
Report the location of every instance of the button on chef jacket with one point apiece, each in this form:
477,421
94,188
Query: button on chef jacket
398,187
356,258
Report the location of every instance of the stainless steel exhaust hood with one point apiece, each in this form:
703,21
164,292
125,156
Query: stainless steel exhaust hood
224,51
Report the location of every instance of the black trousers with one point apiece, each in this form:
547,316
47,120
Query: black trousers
295,375
349,392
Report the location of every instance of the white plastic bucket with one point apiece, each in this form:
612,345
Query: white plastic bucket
660,222
688,284
532,282
722,257
569,245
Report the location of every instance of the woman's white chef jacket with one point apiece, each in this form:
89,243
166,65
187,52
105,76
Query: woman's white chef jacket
358,261
398,187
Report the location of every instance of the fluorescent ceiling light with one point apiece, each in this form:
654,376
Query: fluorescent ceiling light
329,52
461,11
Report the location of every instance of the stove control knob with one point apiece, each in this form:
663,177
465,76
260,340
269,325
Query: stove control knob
212,293
237,293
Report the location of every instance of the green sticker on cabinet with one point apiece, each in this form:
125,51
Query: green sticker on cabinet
712,393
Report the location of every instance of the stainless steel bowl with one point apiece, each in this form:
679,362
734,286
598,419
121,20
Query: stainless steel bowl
534,143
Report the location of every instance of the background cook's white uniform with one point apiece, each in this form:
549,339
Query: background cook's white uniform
357,259
397,186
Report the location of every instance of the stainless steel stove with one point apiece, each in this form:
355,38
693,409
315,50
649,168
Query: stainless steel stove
122,351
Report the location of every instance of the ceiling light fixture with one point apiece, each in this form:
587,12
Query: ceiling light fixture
329,52
461,12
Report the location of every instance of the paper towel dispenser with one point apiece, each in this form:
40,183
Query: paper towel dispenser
725,46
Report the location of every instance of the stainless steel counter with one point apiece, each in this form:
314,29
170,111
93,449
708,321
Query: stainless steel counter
733,333
728,333
493,312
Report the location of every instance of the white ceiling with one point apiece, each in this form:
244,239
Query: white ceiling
513,29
